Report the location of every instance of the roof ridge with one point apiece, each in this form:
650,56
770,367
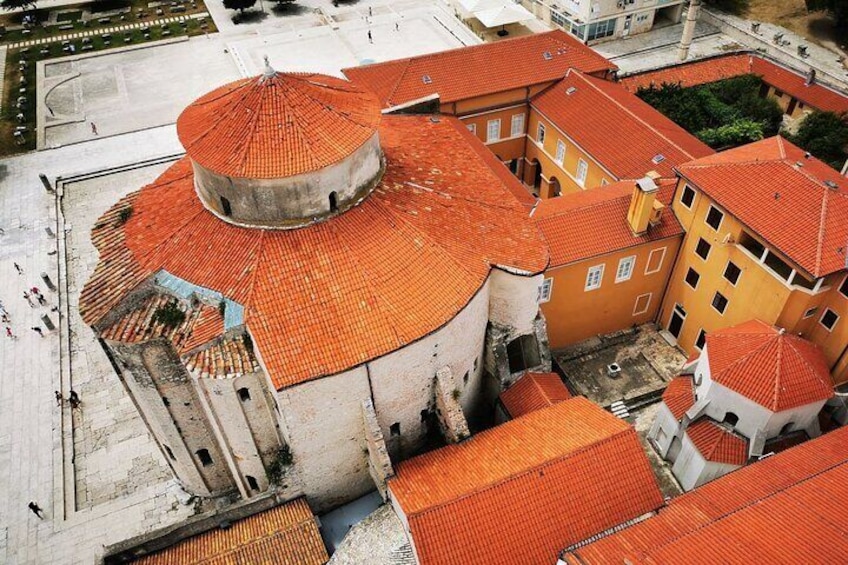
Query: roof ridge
588,206
399,81
743,359
821,234
239,91
722,436
794,348
254,268
778,372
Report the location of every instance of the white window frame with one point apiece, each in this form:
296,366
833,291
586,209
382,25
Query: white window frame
490,125
581,164
826,310
540,133
686,278
726,303
682,192
697,336
660,265
630,264
516,125
710,250
545,290
841,285
707,215
472,128
724,273
560,152
597,270
650,296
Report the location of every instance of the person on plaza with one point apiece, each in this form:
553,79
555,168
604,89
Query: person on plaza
397,26
39,296
9,333
18,269
93,128
36,509
28,298
370,40
37,330
370,13
58,396
74,399
5,318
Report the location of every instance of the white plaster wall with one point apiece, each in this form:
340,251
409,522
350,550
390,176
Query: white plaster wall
689,465
512,302
666,422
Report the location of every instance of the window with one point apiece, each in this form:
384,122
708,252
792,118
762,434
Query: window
787,427
493,130
523,353
780,267
730,418
394,429
244,394
703,249
472,128
594,277
753,246
334,202
714,218
643,301
625,269
559,19
225,206
582,170
702,339
169,452
829,319
843,288
601,29
544,294
655,261
692,278
205,458
517,125
811,312
719,302
688,196
560,154
732,272
540,133
251,482
425,415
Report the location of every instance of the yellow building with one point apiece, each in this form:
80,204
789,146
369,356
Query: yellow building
766,234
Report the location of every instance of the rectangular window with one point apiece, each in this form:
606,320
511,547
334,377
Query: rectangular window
655,261
493,130
594,277
516,127
560,154
753,246
692,278
829,319
719,302
703,249
843,288
702,339
540,133
545,289
732,272
688,196
643,302
714,218
582,171
780,267
625,269
811,312
472,128
601,29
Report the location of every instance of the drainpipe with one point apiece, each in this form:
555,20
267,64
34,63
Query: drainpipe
688,29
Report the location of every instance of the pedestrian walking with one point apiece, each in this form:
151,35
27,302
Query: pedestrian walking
36,509
9,333
370,40
397,26
59,398
38,296
93,128
37,330
19,269
28,298
74,399
5,319
370,13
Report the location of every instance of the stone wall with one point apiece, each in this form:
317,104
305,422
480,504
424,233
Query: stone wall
379,463
449,411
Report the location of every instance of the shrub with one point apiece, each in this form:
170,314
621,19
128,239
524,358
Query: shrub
738,133
124,215
277,468
169,315
825,135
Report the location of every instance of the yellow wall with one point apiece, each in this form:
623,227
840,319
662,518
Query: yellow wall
574,314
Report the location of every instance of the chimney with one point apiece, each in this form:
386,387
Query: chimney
644,209
688,29
811,77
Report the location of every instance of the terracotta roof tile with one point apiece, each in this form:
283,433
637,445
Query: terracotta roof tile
532,392
773,368
679,395
227,358
588,224
718,444
789,206
278,126
520,492
778,510
371,280
286,534
617,129
468,72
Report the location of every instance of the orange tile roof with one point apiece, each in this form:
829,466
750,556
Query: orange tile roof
778,510
617,129
225,359
285,535
719,68
679,395
592,223
532,392
278,126
773,368
468,72
717,444
520,492
788,205
371,280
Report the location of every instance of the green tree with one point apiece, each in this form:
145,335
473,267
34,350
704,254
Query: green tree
10,5
837,8
240,5
738,133
284,3
825,135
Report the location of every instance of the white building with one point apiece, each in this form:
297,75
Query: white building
752,384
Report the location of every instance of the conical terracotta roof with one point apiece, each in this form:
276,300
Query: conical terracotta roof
278,125
775,369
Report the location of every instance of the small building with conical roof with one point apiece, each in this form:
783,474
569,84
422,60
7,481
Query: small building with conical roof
279,301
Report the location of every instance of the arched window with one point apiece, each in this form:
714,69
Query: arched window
168,451
787,427
225,206
730,418
244,394
334,202
394,429
251,482
205,458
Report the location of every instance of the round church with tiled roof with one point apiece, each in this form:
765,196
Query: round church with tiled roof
284,296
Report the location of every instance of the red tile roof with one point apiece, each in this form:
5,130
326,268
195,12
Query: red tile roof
278,126
286,535
778,510
788,205
468,72
371,280
588,224
532,392
773,368
717,444
228,358
520,492
679,395
618,130
719,68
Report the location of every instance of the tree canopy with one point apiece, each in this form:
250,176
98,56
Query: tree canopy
837,8
240,5
825,135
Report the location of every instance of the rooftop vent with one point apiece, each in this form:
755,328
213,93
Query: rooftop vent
658,159
426,79
571,90
831,185
613,370
547,56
